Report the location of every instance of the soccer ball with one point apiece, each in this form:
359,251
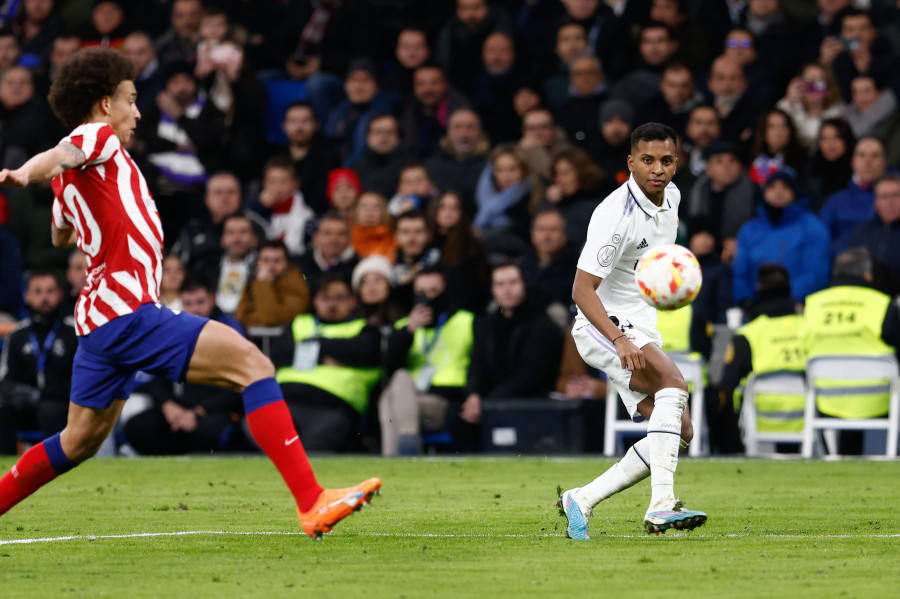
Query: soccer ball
668,277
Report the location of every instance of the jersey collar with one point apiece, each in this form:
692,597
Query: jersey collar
637,196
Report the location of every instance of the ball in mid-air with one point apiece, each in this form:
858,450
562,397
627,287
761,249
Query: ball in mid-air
668,277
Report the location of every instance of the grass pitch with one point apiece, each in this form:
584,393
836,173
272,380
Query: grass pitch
452,528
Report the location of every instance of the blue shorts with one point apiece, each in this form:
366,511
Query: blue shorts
153,339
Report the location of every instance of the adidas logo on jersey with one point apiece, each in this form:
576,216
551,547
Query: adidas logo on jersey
642,244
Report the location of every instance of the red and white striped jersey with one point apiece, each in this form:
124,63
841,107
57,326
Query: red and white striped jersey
108,204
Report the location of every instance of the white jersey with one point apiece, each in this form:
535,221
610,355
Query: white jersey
624,226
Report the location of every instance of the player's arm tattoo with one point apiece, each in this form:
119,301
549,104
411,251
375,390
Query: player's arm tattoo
74,156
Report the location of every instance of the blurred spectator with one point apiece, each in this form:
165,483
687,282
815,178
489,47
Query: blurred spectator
504,199
549,265
282,207
783,232
828,169
881,235
372,281
871,105
330,251
179,43
76,278
36,365
676,98
10,50
379,165
587,93
109,26
812,98
691,37
609,28
277,293
186,417
495,87
715,297
578,186
148,81
349,120
775,39
737,110
702,129
343,191
199,242
576,379
312,154
415,251
616,119
411,52
414,189
327,365
516,348
459,43
64,46
571,43
775,146
855,203
826,23
858,51
740,46
426,362
27,211
332,33
25,119
10,267
424,118
541,140
371,232
656,47
461,156
173,275
239,242
462,253
36,27
723,198
183,136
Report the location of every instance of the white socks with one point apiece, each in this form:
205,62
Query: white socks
664,440
631,469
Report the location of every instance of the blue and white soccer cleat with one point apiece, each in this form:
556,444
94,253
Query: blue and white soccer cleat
660,521
577,521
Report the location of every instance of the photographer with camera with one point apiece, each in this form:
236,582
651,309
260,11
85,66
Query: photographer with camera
427,360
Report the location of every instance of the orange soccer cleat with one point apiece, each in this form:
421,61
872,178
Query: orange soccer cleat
333,505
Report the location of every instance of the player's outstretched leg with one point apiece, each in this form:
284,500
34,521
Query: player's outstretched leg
577,504
225,358
664,440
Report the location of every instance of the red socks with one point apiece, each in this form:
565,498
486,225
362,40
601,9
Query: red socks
273,429
31,472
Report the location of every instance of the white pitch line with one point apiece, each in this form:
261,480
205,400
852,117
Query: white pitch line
414,536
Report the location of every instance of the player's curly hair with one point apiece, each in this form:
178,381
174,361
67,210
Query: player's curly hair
88,76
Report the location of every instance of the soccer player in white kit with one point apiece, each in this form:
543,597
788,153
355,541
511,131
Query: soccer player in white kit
615,331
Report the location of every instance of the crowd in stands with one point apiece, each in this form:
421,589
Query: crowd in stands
404,187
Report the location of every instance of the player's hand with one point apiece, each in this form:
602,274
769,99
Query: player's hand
630,355
471,409
14,178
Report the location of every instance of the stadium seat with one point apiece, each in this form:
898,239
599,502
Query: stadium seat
692,370
863,370
783,383
263,337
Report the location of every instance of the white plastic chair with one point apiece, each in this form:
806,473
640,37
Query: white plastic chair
789,383
850,368
692,370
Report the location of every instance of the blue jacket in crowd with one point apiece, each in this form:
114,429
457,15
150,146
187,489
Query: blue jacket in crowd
799,242
846,209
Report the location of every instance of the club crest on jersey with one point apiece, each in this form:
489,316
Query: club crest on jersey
606,254
616,238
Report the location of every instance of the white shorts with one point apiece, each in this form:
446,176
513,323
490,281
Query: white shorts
600,352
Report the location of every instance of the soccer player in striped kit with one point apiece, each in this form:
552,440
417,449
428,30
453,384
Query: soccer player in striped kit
615,331
103,206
